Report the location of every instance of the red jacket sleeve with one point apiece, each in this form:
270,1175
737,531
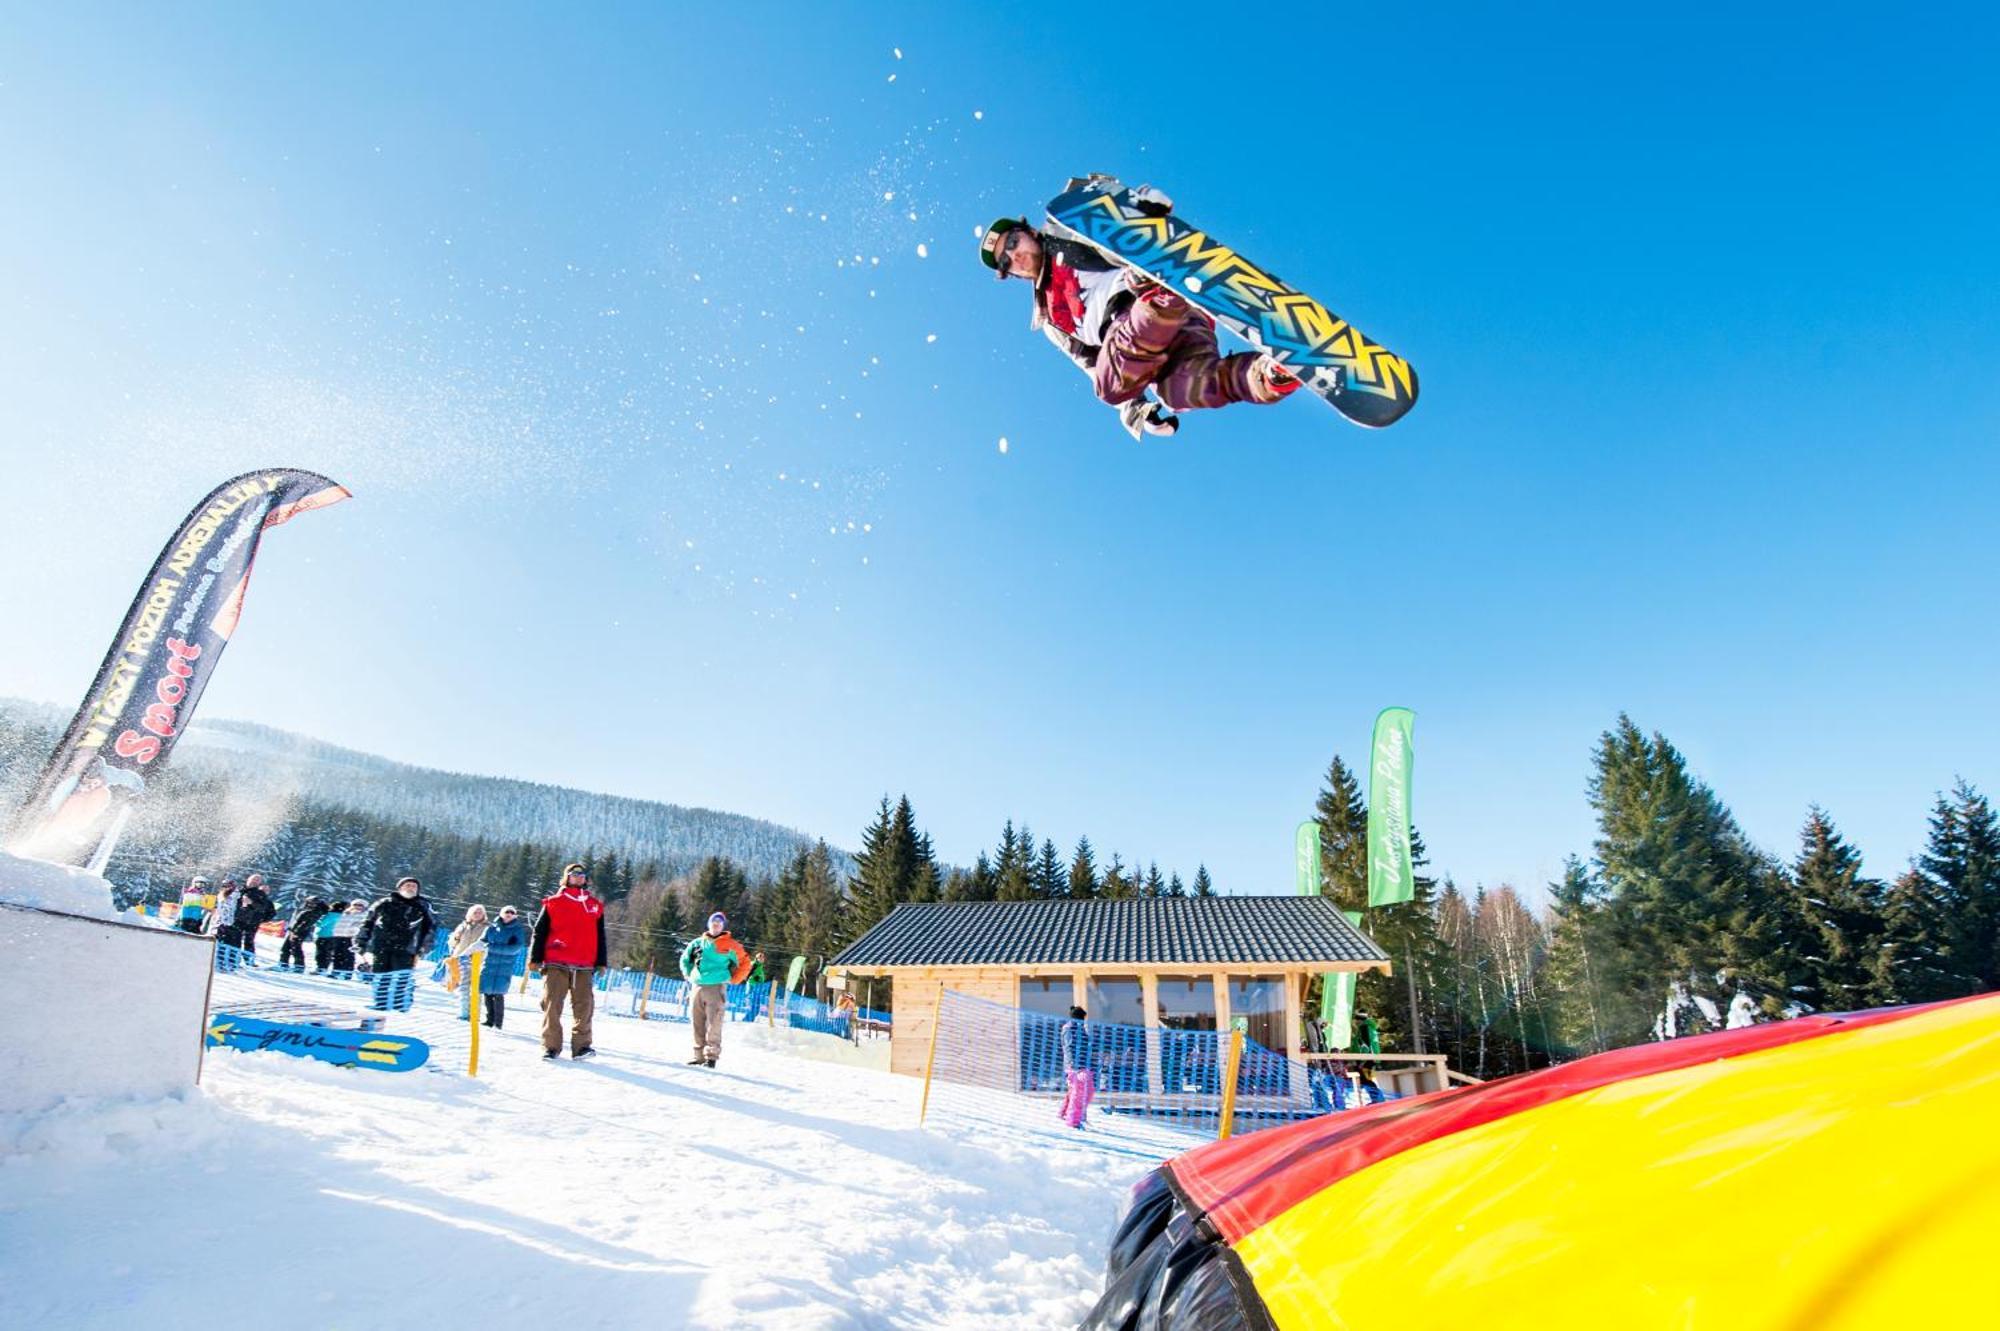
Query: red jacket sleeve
741,971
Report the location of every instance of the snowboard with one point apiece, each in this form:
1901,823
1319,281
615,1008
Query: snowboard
328,1044
1362,380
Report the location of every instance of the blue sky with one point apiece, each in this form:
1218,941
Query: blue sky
677,465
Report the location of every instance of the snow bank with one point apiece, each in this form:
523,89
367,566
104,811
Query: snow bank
48,886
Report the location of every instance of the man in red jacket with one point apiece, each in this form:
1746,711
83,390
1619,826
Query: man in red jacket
568,952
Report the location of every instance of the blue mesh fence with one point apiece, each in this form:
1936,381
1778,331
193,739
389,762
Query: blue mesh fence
667,998
430,1002
1139,1090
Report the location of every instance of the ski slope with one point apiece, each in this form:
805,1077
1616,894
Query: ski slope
774,1191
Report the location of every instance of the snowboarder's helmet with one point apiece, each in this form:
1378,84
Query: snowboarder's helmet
995,237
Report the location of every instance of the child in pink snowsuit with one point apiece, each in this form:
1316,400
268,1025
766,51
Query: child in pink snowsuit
1080,1083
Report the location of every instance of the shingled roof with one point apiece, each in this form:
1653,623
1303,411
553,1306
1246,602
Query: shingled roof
1194,931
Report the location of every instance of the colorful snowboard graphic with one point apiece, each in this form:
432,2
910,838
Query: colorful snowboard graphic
1368,384
328,1044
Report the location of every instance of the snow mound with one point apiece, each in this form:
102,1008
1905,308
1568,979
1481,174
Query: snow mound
43,885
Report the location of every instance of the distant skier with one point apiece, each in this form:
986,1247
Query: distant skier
1079,1078
568,951
1132,336
325,942
345,930
759,979
710,964
396,931
506,943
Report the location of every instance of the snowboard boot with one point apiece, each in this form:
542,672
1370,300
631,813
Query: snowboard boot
708,1062
697,1062
585,1052
1270,380
551,1055
1143,416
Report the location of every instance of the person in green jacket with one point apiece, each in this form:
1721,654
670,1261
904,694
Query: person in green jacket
760,984
711,963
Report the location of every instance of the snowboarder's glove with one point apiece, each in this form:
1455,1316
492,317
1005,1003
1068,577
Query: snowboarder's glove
1152,201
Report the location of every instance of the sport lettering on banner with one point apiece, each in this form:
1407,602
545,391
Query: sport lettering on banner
160,661
1391,875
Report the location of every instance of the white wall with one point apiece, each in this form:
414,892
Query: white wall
97,1008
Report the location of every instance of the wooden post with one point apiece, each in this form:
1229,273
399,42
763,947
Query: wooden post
1230,1072
771,1017
930,1059
477,1019
645,994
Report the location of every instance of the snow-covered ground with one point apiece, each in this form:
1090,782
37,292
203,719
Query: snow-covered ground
774,1191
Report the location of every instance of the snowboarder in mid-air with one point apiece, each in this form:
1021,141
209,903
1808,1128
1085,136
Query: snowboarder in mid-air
1133,336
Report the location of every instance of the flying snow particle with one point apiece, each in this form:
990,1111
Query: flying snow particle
923,251
898,50
979,115
892,78
1191,283
1003,443
888,194
930,337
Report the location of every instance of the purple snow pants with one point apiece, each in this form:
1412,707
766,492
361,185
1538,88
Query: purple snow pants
1076,1099
1174,352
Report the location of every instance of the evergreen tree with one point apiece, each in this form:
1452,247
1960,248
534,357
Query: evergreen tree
1204,886
1696,911
879,871
1083,871
1050,880
1013,866
1845,912
1943,916
813,927
1116,885
1175,887
1576,960
1343,838
1155,886
657,947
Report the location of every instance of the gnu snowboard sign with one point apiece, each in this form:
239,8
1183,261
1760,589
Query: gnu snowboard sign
1365,382
328,1044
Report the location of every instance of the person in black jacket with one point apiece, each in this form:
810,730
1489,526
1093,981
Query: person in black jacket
292,956
254,908
397,931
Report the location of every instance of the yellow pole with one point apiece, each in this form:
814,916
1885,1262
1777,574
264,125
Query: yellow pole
771,1015
644,994
1235,1065
472,1003
930,1059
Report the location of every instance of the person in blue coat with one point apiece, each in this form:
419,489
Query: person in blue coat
506,944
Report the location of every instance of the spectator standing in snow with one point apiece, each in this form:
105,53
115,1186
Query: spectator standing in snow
1079,1079
568,949
758,981
506,943
304,924
469,937
222,923
710,964
396,931
345,930
323,938
197,901
847,1012
254,909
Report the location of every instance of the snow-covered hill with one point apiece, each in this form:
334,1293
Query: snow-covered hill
773,1191
501,809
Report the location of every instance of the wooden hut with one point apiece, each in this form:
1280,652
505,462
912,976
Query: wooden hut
1180,963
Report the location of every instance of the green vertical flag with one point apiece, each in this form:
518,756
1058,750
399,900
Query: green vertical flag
798,969
1390,876
1336,1000
1308,858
